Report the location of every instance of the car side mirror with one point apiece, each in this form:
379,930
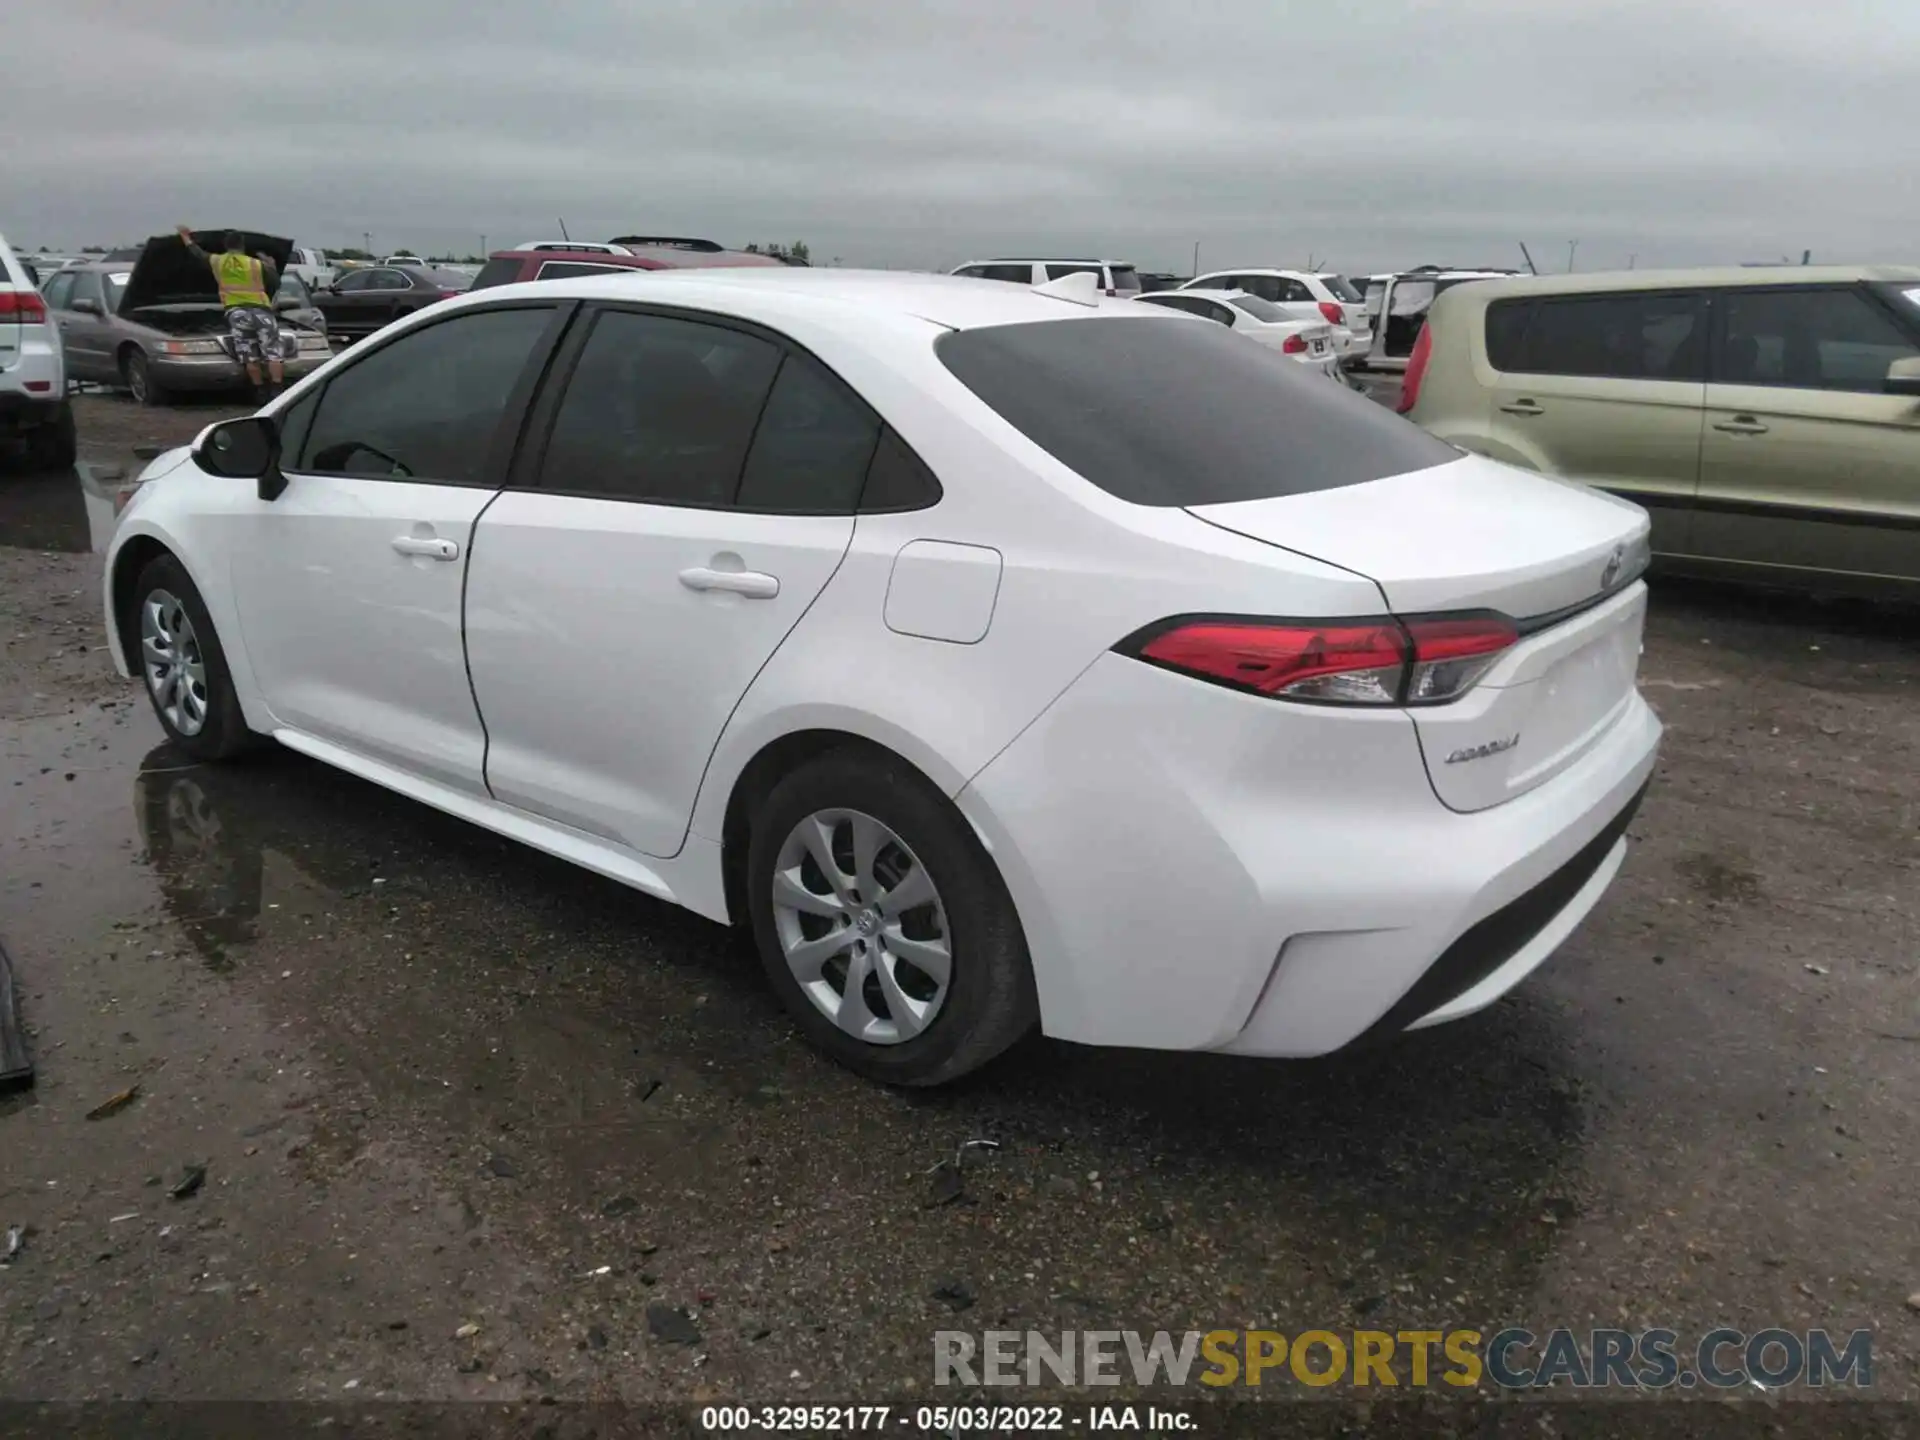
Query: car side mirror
243,449
1903,377
88,307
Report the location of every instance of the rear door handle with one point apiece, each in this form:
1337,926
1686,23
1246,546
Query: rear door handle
750,583
432,549
1742,425
1525,407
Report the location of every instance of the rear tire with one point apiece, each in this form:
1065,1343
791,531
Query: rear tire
908,1028
172,645
138,374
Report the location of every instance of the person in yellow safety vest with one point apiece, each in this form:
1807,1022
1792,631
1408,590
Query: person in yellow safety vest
247,284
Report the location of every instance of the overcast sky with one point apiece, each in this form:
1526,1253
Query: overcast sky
924,133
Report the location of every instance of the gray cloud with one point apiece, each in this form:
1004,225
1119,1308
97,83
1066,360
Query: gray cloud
923,134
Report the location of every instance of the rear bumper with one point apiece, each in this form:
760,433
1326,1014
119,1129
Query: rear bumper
1201,869
28,410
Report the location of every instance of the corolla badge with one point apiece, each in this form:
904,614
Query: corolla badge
1481,752
1616,562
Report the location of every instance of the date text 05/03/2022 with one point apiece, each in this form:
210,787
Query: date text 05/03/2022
943,1419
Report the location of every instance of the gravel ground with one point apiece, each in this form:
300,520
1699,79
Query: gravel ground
477,1125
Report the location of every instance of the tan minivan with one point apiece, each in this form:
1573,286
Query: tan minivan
1768,418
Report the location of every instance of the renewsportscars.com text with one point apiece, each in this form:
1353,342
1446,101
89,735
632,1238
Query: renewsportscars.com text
1655,1359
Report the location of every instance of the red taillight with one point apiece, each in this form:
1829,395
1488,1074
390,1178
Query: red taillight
1422,661
1416,371
1451,653
1335,315
23,306
1293,345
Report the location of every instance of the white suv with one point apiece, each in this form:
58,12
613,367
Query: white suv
33,369
1305,296
1117,277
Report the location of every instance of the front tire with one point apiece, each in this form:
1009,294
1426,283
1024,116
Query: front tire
883,924
180,662
138,374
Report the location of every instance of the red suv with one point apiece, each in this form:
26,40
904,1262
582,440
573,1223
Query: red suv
561,259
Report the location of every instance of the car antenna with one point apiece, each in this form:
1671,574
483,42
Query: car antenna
1531,267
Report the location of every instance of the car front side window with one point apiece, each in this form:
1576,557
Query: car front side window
426,406
60,292
1833,339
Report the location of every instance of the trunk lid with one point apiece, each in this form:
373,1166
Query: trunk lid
1560,559
166,274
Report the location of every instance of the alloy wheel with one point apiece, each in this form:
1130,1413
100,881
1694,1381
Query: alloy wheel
862,926
170,657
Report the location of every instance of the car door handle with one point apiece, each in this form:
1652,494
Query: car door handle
432,549
1742,425
1525,407
750,583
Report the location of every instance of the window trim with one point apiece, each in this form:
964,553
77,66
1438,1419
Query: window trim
544,411
509,435
1716,335
576,266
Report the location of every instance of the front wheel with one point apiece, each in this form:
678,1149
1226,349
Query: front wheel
883,924
138,374
180,660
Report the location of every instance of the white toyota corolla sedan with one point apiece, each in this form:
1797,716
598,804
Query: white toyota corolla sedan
1000,657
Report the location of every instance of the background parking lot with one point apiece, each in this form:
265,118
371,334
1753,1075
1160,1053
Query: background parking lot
479,1124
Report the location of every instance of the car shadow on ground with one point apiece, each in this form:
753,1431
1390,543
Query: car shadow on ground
1388,1162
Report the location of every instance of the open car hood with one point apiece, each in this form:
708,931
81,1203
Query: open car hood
165,274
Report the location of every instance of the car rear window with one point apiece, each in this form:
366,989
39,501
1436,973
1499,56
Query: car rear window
1158,413
1341,287
497,272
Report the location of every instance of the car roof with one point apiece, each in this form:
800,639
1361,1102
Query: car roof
1053,260
1261,270
953,301
1205,292
1718,276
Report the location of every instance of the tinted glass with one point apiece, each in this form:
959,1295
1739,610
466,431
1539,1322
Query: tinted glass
388,280
660,410
1162,414
563,269
497,272
1054,272
812,447
1126,280
1506,330
1016,274
1270,288
897,479
86,286
426,406
1260,310
1809,340
354,280
295,423
1342,288
1622,337
59,291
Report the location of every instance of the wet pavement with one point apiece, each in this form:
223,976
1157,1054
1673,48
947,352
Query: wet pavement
438,1081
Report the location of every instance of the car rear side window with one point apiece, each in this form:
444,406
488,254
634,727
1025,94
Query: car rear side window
1014,274
659,410
1507,333
1619,337
1126,280
569,269
898,479
426,406
496,272
1163,414
1055,272
1808,340
1342,288
812,447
